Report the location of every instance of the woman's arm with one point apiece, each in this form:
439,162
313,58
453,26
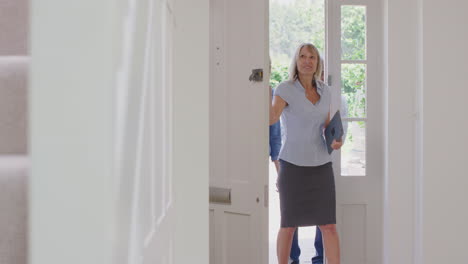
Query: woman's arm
276,108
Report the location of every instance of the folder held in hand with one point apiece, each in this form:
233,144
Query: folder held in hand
333,131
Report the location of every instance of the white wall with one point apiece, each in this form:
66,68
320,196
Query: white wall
426,86
401,45
445,146
76,48
191,129
71,113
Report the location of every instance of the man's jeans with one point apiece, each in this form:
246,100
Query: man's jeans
296,251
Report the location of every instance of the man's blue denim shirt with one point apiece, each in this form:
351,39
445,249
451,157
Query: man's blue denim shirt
275,140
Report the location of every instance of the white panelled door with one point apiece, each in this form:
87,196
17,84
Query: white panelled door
238,132
354,57
144,227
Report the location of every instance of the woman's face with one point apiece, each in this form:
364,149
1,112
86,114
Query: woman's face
307,61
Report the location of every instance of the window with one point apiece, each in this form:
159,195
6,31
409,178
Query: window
353,89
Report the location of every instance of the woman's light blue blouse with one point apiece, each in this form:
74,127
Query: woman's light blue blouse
303,123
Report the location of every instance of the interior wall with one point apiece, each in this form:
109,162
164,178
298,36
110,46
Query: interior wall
401,82
191,130
445,182
425,188
70,131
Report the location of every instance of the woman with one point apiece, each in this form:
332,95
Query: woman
306,182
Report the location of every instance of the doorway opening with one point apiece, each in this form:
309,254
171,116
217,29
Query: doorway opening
292,22
347,35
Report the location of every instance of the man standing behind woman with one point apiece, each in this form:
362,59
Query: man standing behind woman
305,183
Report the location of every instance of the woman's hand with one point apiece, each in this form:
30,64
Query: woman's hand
336,144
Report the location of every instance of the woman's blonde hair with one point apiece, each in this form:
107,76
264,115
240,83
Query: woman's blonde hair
293,72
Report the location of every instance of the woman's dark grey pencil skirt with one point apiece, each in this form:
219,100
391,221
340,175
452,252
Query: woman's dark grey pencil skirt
307,195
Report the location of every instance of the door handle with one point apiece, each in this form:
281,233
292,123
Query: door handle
220,195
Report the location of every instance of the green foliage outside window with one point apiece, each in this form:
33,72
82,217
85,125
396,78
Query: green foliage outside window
353,78
295,23
353,32
290,25
279,73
